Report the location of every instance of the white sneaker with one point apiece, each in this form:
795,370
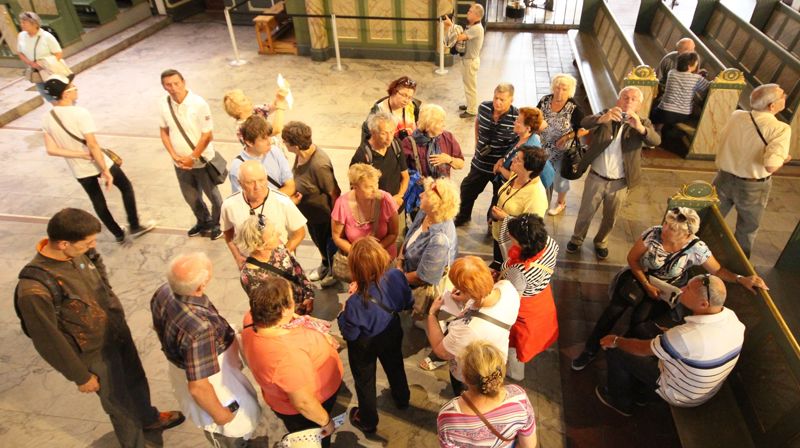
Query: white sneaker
318,274
328,281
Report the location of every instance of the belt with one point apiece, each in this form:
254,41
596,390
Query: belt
604,177
748,179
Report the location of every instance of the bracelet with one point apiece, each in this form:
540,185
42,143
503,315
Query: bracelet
614,342
330,419
738,277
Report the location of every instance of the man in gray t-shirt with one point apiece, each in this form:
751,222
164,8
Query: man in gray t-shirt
471,61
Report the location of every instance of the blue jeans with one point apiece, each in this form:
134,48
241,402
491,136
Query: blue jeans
194,183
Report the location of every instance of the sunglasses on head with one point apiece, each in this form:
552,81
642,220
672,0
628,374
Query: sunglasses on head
435,189
707,284
679,216
408,82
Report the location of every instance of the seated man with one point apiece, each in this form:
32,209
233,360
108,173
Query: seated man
256,132
687,364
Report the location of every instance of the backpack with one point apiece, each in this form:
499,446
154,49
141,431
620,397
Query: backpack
45,278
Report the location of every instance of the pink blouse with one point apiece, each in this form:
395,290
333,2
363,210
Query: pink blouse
353,231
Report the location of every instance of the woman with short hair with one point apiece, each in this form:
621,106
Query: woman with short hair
489,312
563,116
438,151
363,211
371,326
268,259
401,104
34,45
293,359
487,414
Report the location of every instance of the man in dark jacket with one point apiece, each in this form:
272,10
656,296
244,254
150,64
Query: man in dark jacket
617,136
81,331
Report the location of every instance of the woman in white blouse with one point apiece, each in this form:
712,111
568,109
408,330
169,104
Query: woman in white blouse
34,44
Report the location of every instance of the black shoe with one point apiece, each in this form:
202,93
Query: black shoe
601,252
583,360
215,234
460,221
121,239
466,114
355,420
605,398
572,247
462,107
140,230
197,230
166,420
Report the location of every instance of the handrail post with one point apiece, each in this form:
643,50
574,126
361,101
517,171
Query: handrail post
441,70
336,43
237,61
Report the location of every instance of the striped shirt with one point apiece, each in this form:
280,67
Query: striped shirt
696,357
511,418
499,136
532,277
680,90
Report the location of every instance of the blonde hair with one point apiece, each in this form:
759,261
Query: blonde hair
691,223
237,104
252,237
443,197
483,367
430,115
471,275
567,80
360,172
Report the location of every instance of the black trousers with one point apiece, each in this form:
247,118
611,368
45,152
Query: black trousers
322,237
471,187
458,386
362,354
615,309
297,422
92,187
124,392
630,376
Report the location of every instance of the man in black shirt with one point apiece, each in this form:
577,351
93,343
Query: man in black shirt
494,135
383,152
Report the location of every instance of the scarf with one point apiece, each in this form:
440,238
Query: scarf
432,148
314,324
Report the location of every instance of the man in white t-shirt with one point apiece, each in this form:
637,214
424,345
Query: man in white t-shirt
471,59
687,364
257,199
69,133
186,132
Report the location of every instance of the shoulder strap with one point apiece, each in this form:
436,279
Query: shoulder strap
35,45
483,419
60,123
416,154
178,123
291,277
239,156
47,279
674,257
376,213
758,129
381,304
477,313
274,182
398,151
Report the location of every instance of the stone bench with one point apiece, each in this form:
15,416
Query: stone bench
96,11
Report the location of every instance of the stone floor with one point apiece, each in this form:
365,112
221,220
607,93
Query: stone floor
39,407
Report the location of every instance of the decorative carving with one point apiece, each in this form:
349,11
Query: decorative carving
696,194
643,72
730,75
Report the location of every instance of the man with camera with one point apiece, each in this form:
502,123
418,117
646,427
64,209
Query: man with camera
471,58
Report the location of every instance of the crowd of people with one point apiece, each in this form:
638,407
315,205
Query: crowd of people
391,238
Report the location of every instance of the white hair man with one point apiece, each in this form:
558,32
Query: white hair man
753,146
616,158
471,59
205,368
687,364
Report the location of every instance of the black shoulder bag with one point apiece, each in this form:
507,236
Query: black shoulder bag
217,167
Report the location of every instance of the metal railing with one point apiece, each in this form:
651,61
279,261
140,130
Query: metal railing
533,13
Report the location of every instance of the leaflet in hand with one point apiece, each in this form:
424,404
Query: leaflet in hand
283,85
668,293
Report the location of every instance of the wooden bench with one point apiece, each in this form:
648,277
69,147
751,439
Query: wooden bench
739,44
759,404
270,27
96,11
783,26
657,30
605,59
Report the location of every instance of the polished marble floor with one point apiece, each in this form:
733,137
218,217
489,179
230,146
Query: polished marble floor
38,407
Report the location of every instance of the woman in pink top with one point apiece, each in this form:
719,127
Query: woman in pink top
364,210
292,358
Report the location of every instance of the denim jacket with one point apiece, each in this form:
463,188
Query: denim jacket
432,251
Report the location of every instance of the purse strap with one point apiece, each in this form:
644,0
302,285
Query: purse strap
483,419
376,211
35,46
758,129
269,178
180,128
477,313
60,123
416,154
291,277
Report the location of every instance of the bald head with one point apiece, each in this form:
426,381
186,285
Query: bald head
253,179
684,45
189,274
704,294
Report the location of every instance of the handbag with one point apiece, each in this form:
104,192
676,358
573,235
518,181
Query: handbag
574,163
483,419
341,271
217,167
31,73
111,154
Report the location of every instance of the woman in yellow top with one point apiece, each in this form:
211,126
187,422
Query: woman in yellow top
523,193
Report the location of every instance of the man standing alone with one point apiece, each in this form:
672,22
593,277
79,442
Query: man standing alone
471,59
186,131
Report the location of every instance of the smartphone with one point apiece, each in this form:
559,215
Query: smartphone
233,406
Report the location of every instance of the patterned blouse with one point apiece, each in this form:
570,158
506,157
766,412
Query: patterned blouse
531,276
282,259
558,124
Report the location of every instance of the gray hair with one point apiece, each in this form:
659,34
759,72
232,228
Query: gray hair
188,272
715,286
690,221
429,115
30,16
374,120
478,7
250,236
567,80
505,87
634,88
764,95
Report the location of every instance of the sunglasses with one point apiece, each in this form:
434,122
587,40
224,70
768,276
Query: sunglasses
679,216
707,284
435,189
261,223
408,82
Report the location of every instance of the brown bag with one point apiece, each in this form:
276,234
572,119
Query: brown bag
425,295
111,154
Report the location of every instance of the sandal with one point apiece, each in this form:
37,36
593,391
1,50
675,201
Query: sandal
428,364
355,420
557,209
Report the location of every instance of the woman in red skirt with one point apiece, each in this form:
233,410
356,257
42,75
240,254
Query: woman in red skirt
529,264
